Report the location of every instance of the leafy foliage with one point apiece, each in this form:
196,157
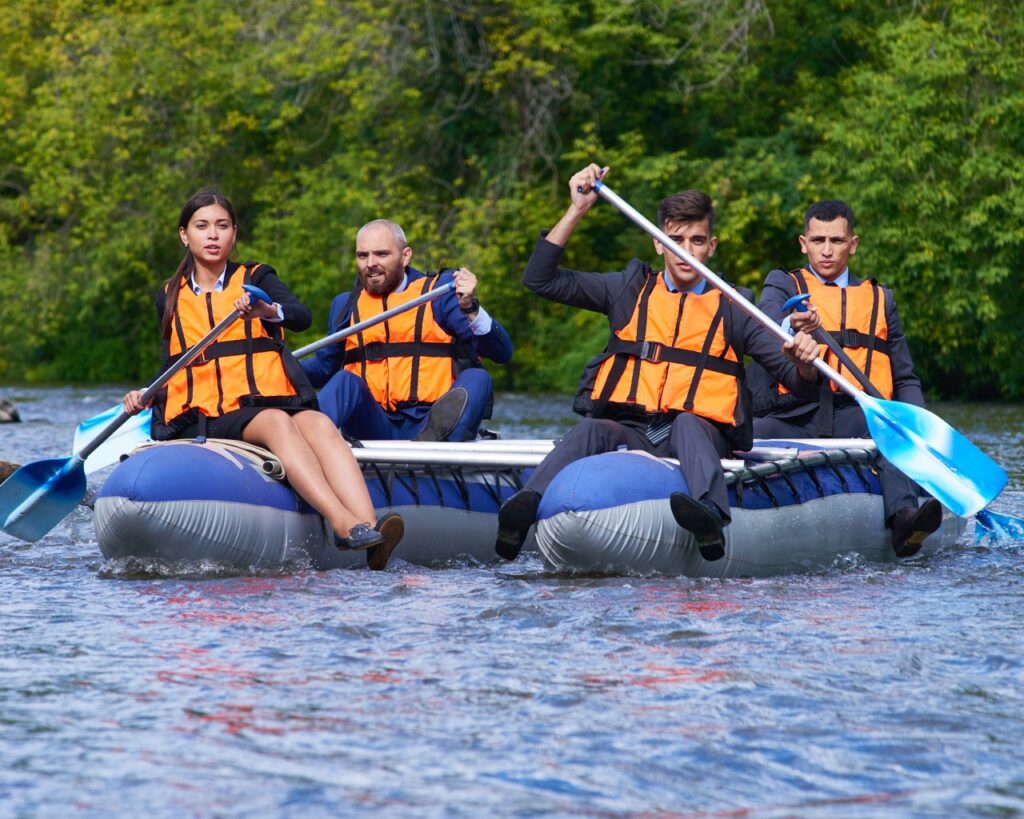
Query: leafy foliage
463,121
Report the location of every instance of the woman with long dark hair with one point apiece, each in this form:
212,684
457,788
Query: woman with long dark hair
247,385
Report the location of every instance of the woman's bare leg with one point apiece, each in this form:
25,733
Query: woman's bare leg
338,463
277,431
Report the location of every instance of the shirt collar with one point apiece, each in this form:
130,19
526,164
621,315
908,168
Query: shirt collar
842,280
697,289
218,285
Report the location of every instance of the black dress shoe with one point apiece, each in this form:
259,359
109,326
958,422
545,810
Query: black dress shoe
702,520
362,536
444,415
515,517
391,528
911,525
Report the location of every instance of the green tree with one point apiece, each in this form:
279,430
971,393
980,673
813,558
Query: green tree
925,139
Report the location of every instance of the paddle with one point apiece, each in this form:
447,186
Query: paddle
430,295
918,443
989,525
41,494
136,430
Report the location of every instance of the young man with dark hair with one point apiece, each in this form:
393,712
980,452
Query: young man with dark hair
670,380
861,315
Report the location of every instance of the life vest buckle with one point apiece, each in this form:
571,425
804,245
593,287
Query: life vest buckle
651,351
199,360
374,351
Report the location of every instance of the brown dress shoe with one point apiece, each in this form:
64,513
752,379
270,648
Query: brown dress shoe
391,528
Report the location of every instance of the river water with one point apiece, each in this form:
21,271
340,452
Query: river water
864,690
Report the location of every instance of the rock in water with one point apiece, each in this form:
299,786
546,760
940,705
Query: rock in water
6,468
8,412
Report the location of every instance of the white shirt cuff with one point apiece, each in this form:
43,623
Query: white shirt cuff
481,325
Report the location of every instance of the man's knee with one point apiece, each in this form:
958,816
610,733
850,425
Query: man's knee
340,396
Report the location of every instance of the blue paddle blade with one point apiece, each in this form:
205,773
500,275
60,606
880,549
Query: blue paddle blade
929,451
40,495
132,433
991,526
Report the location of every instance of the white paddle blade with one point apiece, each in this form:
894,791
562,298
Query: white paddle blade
132,433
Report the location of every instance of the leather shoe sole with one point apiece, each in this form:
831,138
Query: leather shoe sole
910,528
392,528
444,415
698,519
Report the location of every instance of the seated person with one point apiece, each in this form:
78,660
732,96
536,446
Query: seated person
417,375
670,380
861,316
247,386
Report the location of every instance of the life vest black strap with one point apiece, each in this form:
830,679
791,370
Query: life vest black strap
641,332
872,328
853,338
705,356
250,373
657,353
241,346
421,312
379,350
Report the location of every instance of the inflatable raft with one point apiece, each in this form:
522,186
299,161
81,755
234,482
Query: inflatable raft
228,503
796,508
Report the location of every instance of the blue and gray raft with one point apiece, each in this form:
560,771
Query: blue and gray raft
797,507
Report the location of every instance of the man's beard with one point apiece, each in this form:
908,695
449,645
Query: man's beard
385,285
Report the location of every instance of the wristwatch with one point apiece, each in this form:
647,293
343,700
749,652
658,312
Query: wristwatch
474,307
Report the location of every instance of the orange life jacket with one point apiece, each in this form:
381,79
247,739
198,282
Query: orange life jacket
244,367
855,317
673,355
408,359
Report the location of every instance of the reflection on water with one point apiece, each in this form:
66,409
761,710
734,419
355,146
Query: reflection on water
865,690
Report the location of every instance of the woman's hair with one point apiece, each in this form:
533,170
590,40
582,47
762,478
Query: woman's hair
188,264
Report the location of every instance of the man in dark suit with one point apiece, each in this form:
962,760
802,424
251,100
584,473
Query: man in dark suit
670,380
861,315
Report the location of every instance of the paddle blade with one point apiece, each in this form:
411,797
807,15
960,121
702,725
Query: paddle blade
40,495
132,433
929,451
990,527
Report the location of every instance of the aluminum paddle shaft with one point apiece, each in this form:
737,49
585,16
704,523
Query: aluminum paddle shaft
333,338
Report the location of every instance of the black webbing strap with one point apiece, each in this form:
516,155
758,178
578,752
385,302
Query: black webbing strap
380,350
656,352
705,354
641,333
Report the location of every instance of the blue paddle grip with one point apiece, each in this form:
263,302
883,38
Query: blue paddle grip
256,293
597,186
796,302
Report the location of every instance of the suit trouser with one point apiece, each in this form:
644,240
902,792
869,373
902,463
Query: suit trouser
698,445
848,421
347,401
